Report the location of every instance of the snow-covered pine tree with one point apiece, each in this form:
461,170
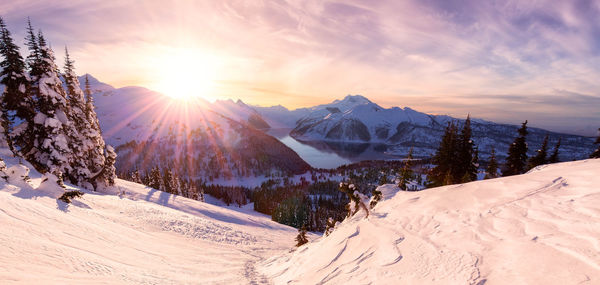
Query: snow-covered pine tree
95,155
596,153
168,181
330,226
201,198
16,106
376,196
101,159
80,133
136,177
108,171
492,169
541,154
554,157
50,152
155,179
516,161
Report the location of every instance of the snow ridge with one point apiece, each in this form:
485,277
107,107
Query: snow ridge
536,228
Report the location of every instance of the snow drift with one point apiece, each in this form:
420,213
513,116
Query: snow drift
537,228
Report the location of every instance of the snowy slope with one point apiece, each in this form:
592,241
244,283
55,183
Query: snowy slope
150,129
141,236
539,228
137,113
240,112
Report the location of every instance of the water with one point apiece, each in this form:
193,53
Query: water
322,154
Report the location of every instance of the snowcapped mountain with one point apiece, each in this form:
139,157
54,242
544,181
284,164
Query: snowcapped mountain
280,117
196,138
240,112
538,228
355,119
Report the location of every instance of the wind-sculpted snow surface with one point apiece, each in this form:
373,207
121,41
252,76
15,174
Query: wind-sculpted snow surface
537,228
141,236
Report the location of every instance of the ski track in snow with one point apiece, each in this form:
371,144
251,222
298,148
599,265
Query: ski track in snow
142,236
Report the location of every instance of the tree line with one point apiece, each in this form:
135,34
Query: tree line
456,159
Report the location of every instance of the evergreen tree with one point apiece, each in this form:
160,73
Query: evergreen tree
444,159
376,196
50,152
466,162
492,169
541,154
554,157
95,156
383,179
155,179
201,197
168,181
301,237
16,105
596,153
136,177
330,226
79,131
34,58
109,171
406,174
516,161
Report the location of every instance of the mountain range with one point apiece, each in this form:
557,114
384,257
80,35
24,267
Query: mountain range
194,139
227,139
355,122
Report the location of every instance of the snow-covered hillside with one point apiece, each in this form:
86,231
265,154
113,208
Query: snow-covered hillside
141,236
137,113
539,228
355,119
195,138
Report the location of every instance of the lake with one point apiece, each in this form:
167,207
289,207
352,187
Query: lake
325,154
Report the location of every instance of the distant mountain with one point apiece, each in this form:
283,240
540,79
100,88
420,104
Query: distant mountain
240,112
280,117
196,139
357,120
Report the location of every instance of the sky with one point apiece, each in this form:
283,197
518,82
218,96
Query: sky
505,61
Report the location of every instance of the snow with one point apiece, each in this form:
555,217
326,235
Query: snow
403,128
39,118
139,236
537,228
53,123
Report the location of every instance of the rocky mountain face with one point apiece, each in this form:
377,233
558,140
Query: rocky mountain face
357,120
195,139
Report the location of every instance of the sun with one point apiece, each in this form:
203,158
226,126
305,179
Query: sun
187,74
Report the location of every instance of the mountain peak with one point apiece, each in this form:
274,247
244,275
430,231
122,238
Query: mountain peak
241,103
354,99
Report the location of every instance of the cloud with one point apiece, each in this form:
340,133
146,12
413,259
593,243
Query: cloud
313,51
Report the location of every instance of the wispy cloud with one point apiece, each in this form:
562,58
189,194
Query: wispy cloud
395,52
